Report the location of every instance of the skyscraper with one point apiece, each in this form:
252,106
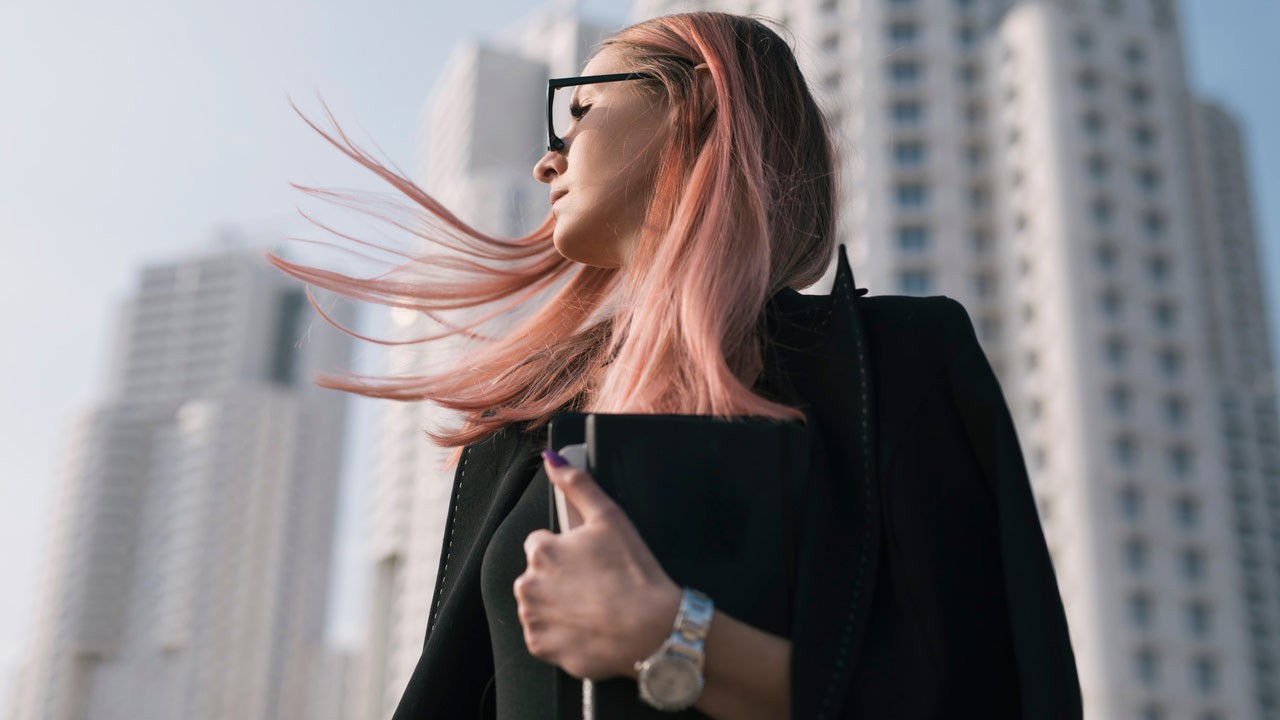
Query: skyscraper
190,552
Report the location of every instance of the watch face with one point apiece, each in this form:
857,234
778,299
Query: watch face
672,681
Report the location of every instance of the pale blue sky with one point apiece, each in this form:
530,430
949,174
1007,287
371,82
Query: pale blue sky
130,130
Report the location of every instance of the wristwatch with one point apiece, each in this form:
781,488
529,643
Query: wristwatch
671,678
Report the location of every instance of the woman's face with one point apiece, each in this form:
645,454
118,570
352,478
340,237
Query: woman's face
602,180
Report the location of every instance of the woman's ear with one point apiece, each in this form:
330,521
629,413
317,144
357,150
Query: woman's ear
708,89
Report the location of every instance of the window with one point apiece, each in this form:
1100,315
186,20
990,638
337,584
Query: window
1192,562
1153,224
1088,81
832,80
1121,399
989,327
1144,137
1101,211
984,284
980,239
903,33
1116,351
1151,711
1180,460
1093,124
1111,7
974,113
969,74
1169,361
1186,510
1199,618
1147,666
1105,254
1111,302
911,195
1134,54
907,112
1175,410
1097,166
1139,95
1158,268
1148,179
1140,610
913,238
966,35
1084,40
905,72
1204,672
831,43
1136,555
975,155
1165,314
1130,499
909,154
1125,450
979,197
915,282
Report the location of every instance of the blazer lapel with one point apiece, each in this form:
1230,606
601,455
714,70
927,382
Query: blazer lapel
822,353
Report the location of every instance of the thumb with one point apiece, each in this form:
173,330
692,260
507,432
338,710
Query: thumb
580,489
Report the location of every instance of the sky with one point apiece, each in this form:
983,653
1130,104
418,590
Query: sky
134,132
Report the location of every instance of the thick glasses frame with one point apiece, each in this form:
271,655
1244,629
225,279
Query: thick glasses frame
556,144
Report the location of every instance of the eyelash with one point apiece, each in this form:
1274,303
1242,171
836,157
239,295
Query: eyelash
577,111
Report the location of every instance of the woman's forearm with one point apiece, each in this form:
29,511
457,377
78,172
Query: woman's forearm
747,672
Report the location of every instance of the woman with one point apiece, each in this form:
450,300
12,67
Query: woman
691,192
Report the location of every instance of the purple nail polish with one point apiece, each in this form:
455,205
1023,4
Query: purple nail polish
554,458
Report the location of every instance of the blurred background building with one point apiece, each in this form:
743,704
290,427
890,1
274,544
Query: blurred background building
189,570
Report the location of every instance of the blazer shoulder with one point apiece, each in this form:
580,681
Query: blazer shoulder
939,322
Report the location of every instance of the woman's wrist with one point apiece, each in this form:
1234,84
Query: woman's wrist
659,620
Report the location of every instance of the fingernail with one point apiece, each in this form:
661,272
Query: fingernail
554,458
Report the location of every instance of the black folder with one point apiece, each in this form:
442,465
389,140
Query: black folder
715,500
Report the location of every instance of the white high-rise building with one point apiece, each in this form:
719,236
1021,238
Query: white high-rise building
1241,360
1034,160
486,130
190,555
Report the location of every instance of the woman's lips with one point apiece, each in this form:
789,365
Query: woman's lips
557,194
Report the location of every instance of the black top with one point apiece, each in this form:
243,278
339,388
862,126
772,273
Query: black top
524,684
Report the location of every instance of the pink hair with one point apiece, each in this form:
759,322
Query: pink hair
743,206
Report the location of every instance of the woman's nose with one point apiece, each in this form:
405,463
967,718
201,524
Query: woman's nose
549,167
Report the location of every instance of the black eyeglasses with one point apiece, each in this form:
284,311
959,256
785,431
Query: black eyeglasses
553,141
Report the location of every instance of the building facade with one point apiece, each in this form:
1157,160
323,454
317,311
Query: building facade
189,564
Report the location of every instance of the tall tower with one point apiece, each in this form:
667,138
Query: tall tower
190,554
1034,161
1240,358
486,131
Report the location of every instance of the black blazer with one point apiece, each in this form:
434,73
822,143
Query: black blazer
925,587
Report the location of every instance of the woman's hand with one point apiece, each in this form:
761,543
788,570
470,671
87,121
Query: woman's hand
593,599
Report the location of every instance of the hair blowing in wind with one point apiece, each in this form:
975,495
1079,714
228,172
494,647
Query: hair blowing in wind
743,205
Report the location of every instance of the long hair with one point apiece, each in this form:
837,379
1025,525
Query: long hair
743,205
